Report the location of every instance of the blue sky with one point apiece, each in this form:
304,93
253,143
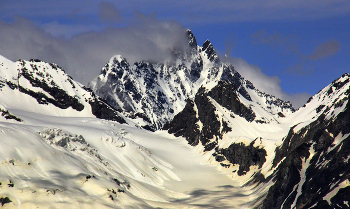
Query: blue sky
288,48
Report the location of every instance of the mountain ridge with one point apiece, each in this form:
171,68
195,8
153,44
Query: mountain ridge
166,86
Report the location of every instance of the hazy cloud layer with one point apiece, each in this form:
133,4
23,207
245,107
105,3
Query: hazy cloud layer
108,12
85,54
290,44
325,50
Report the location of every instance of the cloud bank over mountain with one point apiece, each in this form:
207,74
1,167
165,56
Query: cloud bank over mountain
85,54
268,84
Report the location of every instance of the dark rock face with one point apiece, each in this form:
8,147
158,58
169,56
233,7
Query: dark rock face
60,97
243,155
196,69
206,114
327,167
4,200
209,50
184,124
6,114
201,110
225,93
102,110
192,42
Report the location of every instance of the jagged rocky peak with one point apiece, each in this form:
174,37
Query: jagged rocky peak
192,42
211,53
332,89
159,91
328,101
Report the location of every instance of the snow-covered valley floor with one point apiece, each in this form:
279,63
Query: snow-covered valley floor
84,162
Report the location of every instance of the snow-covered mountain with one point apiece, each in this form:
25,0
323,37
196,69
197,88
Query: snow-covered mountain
24,84
63,147
217,141
158,91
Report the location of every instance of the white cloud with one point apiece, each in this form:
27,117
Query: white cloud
267,84
61,30
85,54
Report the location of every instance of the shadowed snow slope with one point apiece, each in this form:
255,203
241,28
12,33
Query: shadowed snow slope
56,153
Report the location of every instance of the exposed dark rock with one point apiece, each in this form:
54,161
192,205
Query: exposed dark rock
328,159
11,85
212,130
102,110
196,69
260,121
11,184
6,114
124,184
89,177
140,115
219,158
225,93
60,98
280,115
35,60
149,128
184,124
4,200
111,197
225,165
244,156
206,114
209,50
192,42
319,108
210,146
340,84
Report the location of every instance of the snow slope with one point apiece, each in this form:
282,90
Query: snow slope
81,162
58,154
